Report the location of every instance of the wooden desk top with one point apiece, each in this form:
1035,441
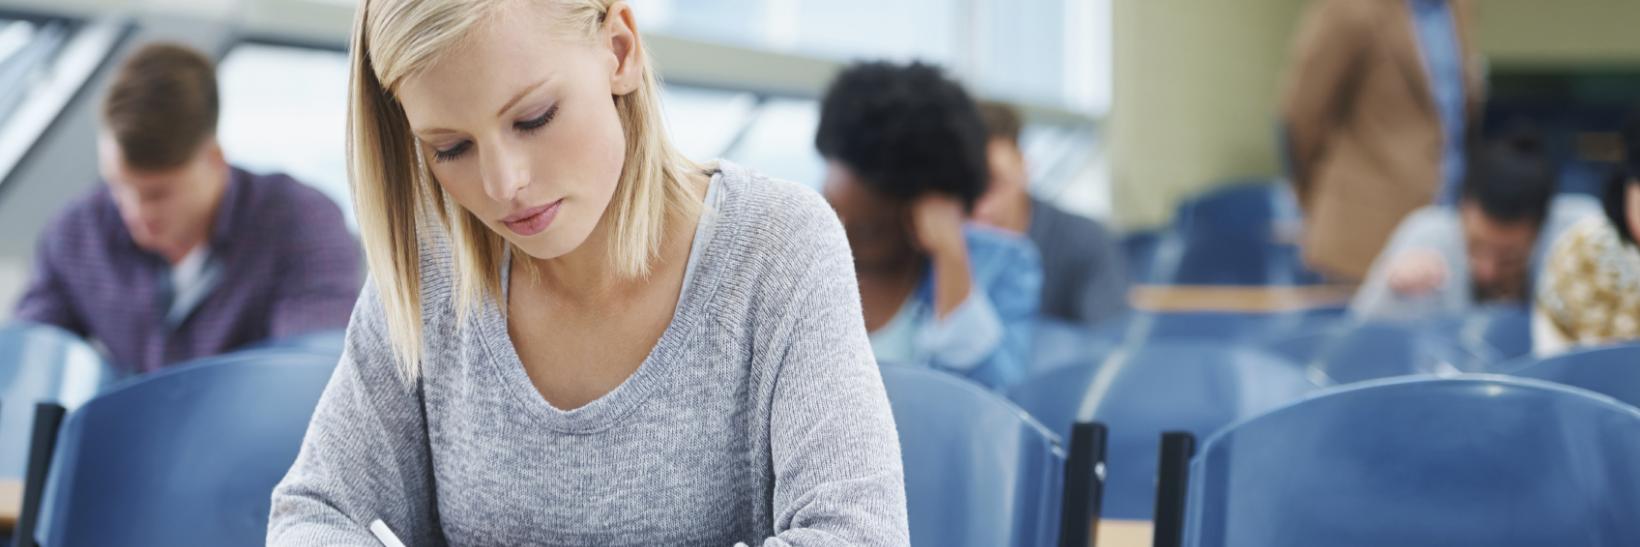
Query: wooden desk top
11,503
1124,533
1198,298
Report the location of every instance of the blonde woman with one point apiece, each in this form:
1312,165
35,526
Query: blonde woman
573,335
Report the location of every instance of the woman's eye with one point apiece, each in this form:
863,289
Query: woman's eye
537,122
453,152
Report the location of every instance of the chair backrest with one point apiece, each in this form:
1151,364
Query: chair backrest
185,456
1184,386
1471,460
1351,352
1241,234
1139,250
1146,328
1056,343
40,364
1490,335
978,470
1613,371
1355,351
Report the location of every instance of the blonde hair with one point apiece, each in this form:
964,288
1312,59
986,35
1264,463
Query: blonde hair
397,200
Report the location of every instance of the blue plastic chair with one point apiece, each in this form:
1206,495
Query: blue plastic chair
1613,371
978,470
1194,387
185,456
39,363
1139,249
1236,235
1473,460
1241,202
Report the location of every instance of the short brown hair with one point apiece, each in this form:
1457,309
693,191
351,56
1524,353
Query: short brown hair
162,106
1001,120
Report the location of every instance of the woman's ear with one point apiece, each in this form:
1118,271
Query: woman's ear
622,35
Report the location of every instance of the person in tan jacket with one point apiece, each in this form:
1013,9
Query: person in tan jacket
1382,98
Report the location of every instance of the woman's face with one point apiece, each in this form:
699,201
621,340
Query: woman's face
877,226
519,126
1632,208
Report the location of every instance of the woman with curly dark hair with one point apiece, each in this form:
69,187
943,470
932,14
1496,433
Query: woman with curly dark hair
905,155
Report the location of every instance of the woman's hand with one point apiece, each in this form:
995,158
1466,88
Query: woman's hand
936,223
1417,272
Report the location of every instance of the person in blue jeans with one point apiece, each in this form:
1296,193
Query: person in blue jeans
905,164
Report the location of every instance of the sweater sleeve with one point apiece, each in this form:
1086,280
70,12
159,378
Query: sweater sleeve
838,478
365,456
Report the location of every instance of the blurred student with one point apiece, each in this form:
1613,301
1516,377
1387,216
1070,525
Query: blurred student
1445,260
1380,103
575,335
1084,279
905,152
179,254
1591,289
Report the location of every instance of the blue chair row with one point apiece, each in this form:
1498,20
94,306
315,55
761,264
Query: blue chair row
186,456
1057,344
1140,393
1198,386
1472,460
190,455
1349,351
1011,493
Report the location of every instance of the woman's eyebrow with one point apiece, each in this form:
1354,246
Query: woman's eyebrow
520,96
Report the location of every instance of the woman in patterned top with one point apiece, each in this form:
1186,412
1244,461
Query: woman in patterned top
1591,293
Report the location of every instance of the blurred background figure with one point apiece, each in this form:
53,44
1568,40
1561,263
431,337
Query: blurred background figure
1591,294
180,254
906,162
1084,278
1446,260
1381,99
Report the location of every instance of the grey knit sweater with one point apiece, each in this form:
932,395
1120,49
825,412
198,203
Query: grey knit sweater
759,417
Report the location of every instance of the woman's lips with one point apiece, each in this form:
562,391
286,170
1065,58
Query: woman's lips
533,220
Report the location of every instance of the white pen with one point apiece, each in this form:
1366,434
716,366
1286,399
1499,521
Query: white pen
385,534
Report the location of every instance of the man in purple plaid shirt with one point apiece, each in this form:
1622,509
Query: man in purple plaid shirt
180,255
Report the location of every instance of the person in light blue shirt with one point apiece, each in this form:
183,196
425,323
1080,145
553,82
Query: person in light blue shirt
906,162
1440,46
1485,251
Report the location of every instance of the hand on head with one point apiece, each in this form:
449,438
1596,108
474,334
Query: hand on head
936,224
